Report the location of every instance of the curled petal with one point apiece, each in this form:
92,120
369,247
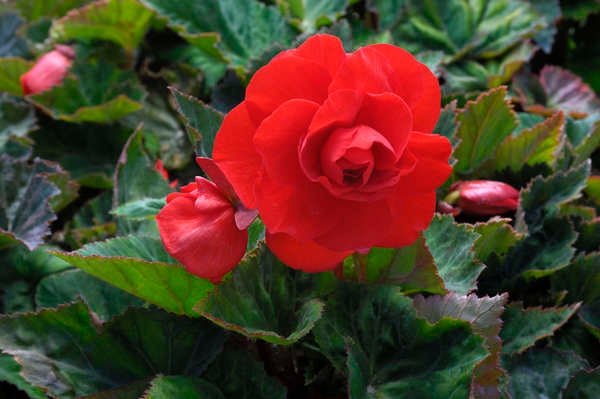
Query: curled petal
198,228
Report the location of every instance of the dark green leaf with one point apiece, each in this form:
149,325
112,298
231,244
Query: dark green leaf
581,280
141,267
583,385
122,21
496,236
590,317
451,245
523,327
16,119
540,373
446,124
11,43
57,347
260,301
201,121
10,371
99,93
103,299
25,195
483,124
179,387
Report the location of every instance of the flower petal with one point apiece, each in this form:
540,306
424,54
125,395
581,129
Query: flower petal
432,169
200,232
304,255
325,50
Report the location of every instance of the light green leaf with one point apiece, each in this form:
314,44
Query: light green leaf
313,14
124,22
496,236
32,10
523,327
451,245
67,352
483,125
261,300
11,69
580,280
145,208
141,267
180,387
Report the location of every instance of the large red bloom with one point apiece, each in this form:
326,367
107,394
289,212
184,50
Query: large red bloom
335,150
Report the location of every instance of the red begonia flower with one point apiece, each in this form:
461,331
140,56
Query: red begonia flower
48,71
204,226
335,150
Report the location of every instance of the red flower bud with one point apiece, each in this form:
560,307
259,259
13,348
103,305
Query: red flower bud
484,197
48,71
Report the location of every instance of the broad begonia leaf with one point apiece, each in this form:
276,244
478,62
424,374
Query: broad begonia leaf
201,121
523,327
373,334
10,371
585,144
446,124
17,118
87,151
589,314
484,316
388,11
541,372
477,28
232,31
541,144
25,195
122,21
239,376
313,14
11,69
580,281
483,125
589,236
91,222
260,300
104,299
556,88
57,346
541,198
451,245
550,11
55,174
32,10
11,43
180,387
141,267
99,92
411,268
145,208
583,385
496,236
133,390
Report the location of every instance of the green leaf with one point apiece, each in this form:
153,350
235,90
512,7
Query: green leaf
495,236
523,327
542,143
540,373
579,9
179,387
25,195
390,351
260,300
313,14
99,93
483,125
124,22
479,29
542,197
237,29
549,10
11,69
446,124
239,376
587,144
580,280
583,385
104,299
133,390
451,245
201,121
388,12
16,119
141,267
11,43
67,352
411,268
10,371
483,314
143,209
32,10
590,317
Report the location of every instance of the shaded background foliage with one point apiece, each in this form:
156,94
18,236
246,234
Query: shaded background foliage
93,307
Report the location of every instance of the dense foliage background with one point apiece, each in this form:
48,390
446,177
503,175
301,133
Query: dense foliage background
92,306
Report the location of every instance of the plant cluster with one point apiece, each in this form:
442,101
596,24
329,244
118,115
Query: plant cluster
235,199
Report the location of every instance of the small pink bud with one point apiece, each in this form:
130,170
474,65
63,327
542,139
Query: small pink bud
484,197
48,71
